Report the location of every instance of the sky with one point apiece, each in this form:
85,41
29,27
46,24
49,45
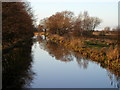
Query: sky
107,10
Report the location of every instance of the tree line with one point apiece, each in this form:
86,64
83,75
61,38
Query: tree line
64,22
17,22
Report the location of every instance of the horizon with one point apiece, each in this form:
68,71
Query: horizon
106,11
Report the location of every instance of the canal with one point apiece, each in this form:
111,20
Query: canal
45,64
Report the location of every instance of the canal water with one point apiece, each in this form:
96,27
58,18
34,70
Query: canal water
56,67
52,66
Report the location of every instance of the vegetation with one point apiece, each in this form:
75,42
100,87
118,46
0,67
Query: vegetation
77,34
65,22
74,34
94,49
17,31
17,23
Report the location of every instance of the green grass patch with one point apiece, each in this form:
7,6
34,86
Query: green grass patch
94,44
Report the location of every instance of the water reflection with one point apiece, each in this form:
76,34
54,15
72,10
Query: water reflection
18,68
82,62
115,80
55,50
60,53
17,71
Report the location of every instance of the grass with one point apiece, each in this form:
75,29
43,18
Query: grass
96,49
93,44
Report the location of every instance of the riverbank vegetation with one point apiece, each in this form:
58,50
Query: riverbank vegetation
78,34
17,23
65,50
65,22
17,32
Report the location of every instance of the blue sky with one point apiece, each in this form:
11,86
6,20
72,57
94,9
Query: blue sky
105,10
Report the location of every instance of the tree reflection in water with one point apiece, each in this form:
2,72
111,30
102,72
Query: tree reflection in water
115,80
82,62
17,71
65,55
56,51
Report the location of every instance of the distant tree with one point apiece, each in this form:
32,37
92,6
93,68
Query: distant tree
40,28
107,29
95,21
85,24
78,29
60,23
65,22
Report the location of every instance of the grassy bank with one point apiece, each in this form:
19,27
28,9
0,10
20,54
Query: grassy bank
105,52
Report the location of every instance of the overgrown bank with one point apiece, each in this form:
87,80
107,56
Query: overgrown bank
104,51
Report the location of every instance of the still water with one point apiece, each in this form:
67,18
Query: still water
48,65
56,67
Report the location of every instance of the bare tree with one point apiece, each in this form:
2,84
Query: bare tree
85,24
63,22
60,23
107,29
95,22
